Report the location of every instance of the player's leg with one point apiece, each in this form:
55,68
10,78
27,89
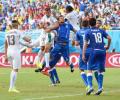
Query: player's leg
57,81
48,41
13,78
65,54
83,67
38,59
101,70
96,75
52,77
53,61
47,54
90,68
16,65
54,71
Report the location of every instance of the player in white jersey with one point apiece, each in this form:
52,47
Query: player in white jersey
12,53
72,17
49,20
45,41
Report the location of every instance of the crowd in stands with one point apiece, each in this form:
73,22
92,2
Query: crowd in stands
29,12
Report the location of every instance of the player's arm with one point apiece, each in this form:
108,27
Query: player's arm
109,42
76,41
84,50
31,44
72,29
52,27
85,45
108,38
27,39
6,46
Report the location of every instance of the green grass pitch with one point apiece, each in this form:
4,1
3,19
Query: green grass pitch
35,86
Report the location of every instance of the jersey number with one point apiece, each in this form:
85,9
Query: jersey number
11,40
98,37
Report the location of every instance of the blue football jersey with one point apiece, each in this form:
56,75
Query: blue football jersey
95,37
80,36
63,32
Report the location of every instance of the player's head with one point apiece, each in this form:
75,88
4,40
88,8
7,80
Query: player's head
61,19
92,22
15,24
98,23
47,11
85,23
69,9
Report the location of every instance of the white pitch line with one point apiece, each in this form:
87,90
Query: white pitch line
52,97
18,72
69,95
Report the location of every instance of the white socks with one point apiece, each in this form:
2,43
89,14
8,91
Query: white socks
47,57
13,77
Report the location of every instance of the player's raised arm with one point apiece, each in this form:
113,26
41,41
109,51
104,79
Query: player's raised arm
52,27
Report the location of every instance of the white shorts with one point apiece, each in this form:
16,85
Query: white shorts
14,57
49,38
42,39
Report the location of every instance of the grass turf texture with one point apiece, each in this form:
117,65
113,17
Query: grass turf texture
35,86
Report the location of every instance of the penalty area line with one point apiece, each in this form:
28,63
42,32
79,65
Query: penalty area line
69,95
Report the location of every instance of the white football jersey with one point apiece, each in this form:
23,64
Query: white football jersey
73,18
13,39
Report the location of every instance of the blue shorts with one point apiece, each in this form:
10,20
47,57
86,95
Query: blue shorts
58,51
82,64
97,60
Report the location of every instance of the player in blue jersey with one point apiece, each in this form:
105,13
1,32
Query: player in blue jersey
62,44
79,41
95,37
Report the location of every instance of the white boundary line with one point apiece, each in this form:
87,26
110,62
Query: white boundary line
18,72
69,95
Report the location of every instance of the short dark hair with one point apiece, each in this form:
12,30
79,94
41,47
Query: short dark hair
15,23
85,23
92,21
69,8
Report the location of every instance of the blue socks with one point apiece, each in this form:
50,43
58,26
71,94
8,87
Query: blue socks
100,81
55,74
89,79
96,75
84,78
52,77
